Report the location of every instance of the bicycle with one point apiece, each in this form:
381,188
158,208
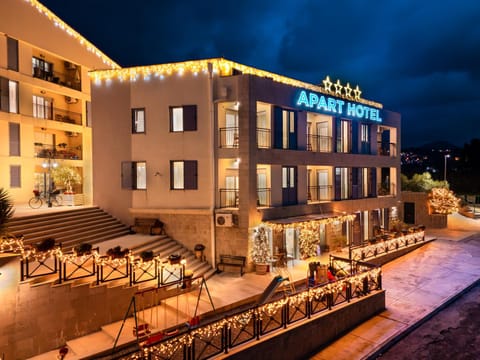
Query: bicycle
39,199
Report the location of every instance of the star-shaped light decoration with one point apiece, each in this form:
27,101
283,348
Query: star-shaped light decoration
348,90
338,88
327,84
357,93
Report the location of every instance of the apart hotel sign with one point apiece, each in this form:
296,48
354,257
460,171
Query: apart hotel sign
333,105
325,104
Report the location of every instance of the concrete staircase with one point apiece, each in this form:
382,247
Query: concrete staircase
94,226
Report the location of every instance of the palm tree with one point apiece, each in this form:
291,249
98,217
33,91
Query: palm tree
6,210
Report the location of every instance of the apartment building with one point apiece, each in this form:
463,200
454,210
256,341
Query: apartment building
216,149
45,120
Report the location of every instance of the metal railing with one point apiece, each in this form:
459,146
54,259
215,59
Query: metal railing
320,193
387,149
221,335
264,138
229,198
319,143
57,78
229,138
50,151
386,245
263,197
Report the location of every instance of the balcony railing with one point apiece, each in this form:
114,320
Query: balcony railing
386,189
387,149
67,116
319,143
320,193
59,152
264,138
228,198
57,78
263,197
229,137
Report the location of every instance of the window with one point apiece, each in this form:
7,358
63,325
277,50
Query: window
134,175
343,181
12,54
183,118
41,69
8,95
15,179
183,175
14,138
285,129
42,107
343,129
138,121
365,138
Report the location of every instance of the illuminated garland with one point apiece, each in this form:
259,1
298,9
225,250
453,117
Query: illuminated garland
443,201
390,245
10,244
69,31
308,224
220,66
169,347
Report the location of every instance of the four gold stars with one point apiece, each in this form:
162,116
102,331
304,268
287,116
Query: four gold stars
348,91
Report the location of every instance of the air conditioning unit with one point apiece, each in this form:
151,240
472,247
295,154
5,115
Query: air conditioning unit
70,100
223,220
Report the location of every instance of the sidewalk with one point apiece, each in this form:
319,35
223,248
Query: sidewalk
417,285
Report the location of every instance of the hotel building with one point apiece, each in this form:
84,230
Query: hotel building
45,119
215,149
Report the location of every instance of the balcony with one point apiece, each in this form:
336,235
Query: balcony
387,149
67,116
320,193
61,151
319,143
229,138
264,138
263,197
228,198
64,79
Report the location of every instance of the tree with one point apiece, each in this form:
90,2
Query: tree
67,176
6,210
443,201
260,251
421,183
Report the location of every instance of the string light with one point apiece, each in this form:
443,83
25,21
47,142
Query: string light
220,66
443,201
59,23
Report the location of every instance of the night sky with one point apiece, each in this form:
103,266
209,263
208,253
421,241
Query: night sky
419,58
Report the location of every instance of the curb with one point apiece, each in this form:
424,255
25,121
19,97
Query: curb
396,338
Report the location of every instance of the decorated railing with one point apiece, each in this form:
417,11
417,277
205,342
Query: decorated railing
218,337
385,246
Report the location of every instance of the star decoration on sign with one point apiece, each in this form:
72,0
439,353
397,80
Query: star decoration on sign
357,93
338,88
348,90
327,84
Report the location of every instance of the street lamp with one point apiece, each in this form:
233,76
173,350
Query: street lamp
445,168
48,166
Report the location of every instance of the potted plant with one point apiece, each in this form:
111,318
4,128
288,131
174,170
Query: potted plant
6,210
83,249
146,255
67,176
260,252
174,259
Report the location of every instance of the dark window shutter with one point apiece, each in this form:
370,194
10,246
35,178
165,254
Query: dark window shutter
373,182
128,175
338,184
14,138
277,128
190,174
190,118
4,95
15,178
355,187
170,116
292,139
354,126
12,53
338,134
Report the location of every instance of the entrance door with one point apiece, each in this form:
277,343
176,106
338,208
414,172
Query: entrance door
322,183
323,137
231,124
289,185
409,212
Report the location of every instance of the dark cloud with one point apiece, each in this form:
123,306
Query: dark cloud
420,58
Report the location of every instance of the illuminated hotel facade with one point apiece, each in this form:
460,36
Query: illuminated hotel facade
45,99
215,149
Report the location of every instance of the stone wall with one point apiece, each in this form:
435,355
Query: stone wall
422,213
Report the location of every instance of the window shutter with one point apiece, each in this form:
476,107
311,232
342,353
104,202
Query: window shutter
277,128
190,117
355,136
15,179
12,51
14,138
190,173
338,184
4,94
292,141
128,173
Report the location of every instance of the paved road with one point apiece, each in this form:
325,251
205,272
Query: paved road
454,333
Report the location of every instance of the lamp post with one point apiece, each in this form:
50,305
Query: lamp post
48,166
445,168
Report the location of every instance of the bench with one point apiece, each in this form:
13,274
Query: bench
150,226
232,260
